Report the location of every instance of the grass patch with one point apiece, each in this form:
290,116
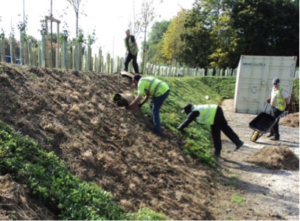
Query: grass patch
237,199
296,89
50,181
232,180
147,214
193,90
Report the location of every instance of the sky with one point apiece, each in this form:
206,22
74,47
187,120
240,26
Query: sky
109,18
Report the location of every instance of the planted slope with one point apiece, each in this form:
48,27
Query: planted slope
16,202
73,115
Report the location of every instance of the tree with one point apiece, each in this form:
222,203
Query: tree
76,7
197,38
267,27
172,41
154,44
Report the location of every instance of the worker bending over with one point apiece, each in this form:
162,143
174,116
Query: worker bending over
211,114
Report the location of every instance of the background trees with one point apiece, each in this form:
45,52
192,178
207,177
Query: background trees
214,33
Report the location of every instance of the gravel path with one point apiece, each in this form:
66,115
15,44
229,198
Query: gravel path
267,194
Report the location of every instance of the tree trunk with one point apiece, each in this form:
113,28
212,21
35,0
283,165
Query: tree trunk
144,52
77,24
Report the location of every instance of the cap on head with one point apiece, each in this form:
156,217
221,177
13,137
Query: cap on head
136,77
276,80
187,108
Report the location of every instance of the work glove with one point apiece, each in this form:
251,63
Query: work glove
179,129
288,107
269,100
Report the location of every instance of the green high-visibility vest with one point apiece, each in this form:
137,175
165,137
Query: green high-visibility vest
132,49
207,113
152,86
280,100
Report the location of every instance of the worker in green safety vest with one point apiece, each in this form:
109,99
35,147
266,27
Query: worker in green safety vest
132,51
280,102
157,90
212,115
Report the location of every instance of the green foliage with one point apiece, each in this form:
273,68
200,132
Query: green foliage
237,199
147,214
49,180
80,37
224,86
91,38
172,43
217,32
198,40
2,34
43,29
12,33
22,25
233,180
154,44
65,33
296,88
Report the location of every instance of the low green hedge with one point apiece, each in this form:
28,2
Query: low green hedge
49,179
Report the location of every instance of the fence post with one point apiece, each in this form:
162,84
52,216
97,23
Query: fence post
43,57
12,51
99,60
118,64
33,57
107,63
21,49
102,64
63,54
40,54
2,54
91,60
95,66
57,59
88,62
29,62
73,56
70,57
79,58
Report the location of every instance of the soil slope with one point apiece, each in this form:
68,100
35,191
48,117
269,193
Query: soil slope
73,114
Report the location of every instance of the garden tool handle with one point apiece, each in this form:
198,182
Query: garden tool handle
266,106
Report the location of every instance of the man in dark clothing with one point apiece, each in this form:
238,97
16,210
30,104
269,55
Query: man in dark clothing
132,51
211,114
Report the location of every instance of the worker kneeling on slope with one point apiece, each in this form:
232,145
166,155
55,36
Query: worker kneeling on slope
157,90
211,114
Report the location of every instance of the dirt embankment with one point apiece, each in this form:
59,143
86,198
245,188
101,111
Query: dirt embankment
73,114
291,120
16,202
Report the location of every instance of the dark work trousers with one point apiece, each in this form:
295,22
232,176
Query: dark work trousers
220,124
155,105
134,63
275,113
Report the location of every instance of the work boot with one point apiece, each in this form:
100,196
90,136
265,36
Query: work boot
239,146
217,154
276,138
270,134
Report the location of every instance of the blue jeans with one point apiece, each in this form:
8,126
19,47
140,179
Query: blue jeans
155,105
